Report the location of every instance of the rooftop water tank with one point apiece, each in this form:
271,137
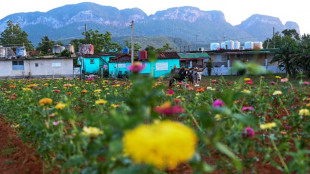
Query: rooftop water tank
126,50
86,49
70,48
21,52
223,45
229,45
56,49
143,55
236,45
2,52
214,46
248,45
258,45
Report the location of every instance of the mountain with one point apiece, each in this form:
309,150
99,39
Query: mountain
190,23
261,26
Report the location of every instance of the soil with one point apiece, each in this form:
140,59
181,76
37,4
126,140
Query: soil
16,157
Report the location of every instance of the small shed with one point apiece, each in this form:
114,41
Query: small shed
93,64
189,60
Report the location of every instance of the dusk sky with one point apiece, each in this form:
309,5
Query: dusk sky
235,11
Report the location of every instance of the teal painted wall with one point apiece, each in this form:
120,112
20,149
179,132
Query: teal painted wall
150,68
91,67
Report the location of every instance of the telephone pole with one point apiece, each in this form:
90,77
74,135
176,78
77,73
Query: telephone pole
86,33
274,41
132,41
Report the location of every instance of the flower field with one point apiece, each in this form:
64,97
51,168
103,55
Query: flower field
249,125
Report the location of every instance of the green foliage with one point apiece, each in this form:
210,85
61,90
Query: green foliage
46,45
14,36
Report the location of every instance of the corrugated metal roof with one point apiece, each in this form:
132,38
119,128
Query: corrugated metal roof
193,55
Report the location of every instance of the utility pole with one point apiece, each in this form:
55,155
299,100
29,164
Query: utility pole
274,41
86,33
196,42
132,41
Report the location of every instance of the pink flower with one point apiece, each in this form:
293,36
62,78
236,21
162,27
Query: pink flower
272,83
90,79
218,103
136,67
306,83
247,108
191,88
249,82
52,115
214,81
56,123
187,85
56,91
177,100
248,132
170,93
284,80
167,109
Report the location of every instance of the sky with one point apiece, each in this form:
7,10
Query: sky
235,11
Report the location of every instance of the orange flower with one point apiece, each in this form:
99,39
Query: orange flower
45,101
84,91
69,93
200,90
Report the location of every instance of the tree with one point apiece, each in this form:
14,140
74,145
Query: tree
101,42
46,45
136,46
14,36
287,53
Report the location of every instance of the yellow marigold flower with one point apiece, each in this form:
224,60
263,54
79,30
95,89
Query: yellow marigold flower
60,106
106,89
247,79
84,91
97,91
27,89
101,101
45,101
114,105
45,84
171,143
278,77
308,105
218,117
268,125
304,112
92,132
32,85
246,91
118,85
277,93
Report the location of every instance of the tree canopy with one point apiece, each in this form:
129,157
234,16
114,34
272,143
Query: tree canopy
102,42
13,36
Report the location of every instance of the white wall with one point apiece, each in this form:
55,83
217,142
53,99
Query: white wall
46,67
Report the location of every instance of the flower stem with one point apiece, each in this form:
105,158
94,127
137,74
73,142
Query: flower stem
280,156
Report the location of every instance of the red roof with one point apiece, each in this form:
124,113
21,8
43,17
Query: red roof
168,55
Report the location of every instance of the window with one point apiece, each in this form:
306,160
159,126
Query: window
36,64
92,61
18,65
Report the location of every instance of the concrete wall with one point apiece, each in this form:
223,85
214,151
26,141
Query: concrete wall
44,68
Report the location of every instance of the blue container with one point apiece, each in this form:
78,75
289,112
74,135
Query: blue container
126,50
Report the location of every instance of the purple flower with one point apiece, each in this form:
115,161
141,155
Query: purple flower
272,83
218,103
249,108
248,132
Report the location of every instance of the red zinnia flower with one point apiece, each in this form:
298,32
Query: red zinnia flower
167,109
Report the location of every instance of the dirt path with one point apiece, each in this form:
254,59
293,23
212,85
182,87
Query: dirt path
15,156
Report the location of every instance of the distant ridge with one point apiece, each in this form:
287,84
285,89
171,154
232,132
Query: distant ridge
189,23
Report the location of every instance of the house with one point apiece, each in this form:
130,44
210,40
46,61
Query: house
94,64
161,67
52,67
192,59
222,60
